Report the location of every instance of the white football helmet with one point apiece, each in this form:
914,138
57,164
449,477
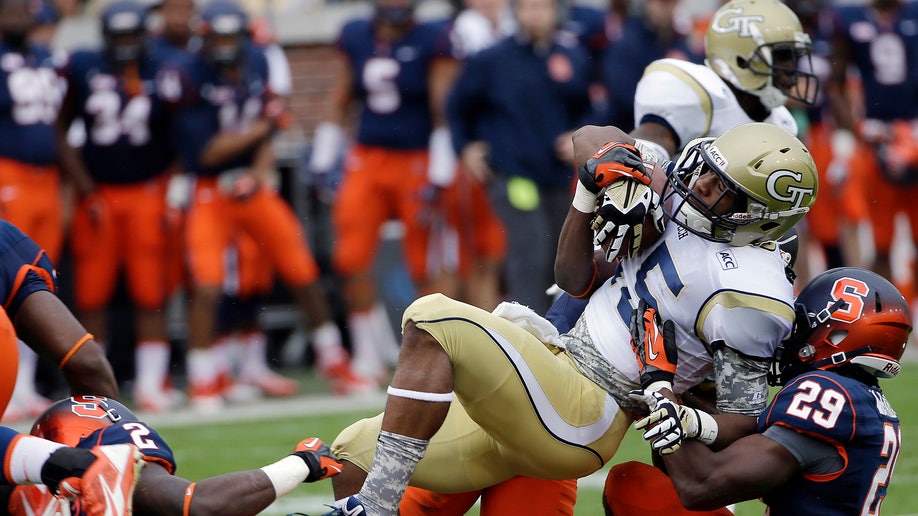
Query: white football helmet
768,173
760,48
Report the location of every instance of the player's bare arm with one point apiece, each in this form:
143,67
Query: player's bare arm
68,155
47,326
230,144
746,470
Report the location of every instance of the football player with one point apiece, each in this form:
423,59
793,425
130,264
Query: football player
881,142
41,320
829,440
121,173
397,71
30,95
90,421
731,305
226,117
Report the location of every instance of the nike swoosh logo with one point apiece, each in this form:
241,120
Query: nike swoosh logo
310,443
651,354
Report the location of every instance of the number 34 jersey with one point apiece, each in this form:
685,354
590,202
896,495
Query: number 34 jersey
858,421
127,125
720,298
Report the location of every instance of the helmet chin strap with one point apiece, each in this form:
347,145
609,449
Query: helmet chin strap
770,96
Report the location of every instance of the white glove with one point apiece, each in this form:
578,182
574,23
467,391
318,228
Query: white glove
625,205
672,423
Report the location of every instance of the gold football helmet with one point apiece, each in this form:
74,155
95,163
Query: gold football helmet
759,47
768,177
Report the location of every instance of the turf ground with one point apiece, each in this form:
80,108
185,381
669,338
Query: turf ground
250,436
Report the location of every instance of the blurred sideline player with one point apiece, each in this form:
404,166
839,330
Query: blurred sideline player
397,71
829,440
248,281
90,421
30,95
226,116
882,140
121,173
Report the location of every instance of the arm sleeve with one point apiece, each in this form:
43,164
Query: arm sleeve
814,455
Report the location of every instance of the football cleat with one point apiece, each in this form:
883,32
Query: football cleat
316,454
272,384
350,506
107,487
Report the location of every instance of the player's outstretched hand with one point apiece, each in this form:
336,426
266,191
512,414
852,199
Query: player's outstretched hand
654,344
614,160
317,455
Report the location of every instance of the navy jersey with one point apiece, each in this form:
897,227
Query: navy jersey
30,96
886,55
625,59
127,132
153,447
206,104
391,82
24,268
519,101
859,422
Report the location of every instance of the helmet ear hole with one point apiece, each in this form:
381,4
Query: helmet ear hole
741,63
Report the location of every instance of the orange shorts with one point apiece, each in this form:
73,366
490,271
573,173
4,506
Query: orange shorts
518,495
481,232
628,484
248,273
121,227
10,364
30,198
833,204
885,199
380,185
215,219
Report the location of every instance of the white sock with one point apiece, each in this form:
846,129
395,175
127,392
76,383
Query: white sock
366,359
201,367
326,342
28,457
151,362
254,355
386,344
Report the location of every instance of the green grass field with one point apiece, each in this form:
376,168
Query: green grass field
204,450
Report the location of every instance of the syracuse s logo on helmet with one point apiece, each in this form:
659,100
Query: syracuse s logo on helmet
723,22
792,194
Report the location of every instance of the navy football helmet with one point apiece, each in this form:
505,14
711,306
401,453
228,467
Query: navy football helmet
225,30
123,30
845,316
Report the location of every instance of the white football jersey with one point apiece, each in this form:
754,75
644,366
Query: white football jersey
695,101
716,294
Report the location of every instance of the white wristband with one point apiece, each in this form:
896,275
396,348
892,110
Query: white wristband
286,474
707,427
442,167
658,386
584,200
326,147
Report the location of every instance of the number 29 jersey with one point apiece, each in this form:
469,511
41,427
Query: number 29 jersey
858,421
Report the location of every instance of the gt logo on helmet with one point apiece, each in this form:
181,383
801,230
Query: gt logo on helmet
793,194
723,23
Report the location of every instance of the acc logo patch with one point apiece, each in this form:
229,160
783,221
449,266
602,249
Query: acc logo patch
727,260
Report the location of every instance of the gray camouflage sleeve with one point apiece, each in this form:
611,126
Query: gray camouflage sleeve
740,382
